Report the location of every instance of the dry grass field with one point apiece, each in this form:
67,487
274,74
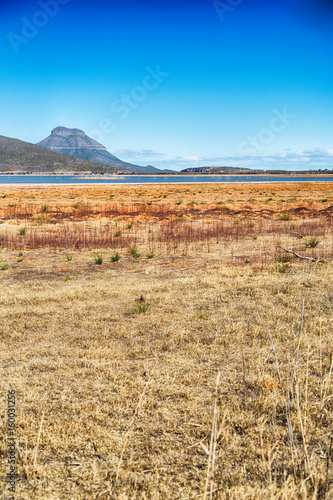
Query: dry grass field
162,346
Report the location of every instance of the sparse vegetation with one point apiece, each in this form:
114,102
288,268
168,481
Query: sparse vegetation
227,369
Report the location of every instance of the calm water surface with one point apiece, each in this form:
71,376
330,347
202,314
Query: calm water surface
158,179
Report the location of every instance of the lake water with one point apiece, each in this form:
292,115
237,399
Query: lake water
151,179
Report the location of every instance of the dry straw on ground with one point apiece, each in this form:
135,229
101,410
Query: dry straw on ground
221,388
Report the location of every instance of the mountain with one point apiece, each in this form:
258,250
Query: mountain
75,142
19,156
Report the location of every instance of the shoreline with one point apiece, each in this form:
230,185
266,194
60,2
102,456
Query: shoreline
136,184
117,176
176,179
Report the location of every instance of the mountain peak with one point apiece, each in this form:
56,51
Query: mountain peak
18,156
67,132
75,142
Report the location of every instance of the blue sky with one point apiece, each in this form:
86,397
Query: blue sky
171,83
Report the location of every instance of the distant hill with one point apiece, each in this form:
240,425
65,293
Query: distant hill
19,156
76,143
218,170
250,171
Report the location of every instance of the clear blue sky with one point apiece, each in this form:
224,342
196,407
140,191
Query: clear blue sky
239,83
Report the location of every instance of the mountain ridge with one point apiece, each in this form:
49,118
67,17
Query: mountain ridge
76,143
25,157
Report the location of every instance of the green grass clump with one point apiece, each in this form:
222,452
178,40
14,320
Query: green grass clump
116,257
22,231
285,217
134,252
284,258
4,267
312,242
150,255
142,306
99,259
282,268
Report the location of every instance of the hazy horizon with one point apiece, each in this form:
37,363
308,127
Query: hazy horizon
241,83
